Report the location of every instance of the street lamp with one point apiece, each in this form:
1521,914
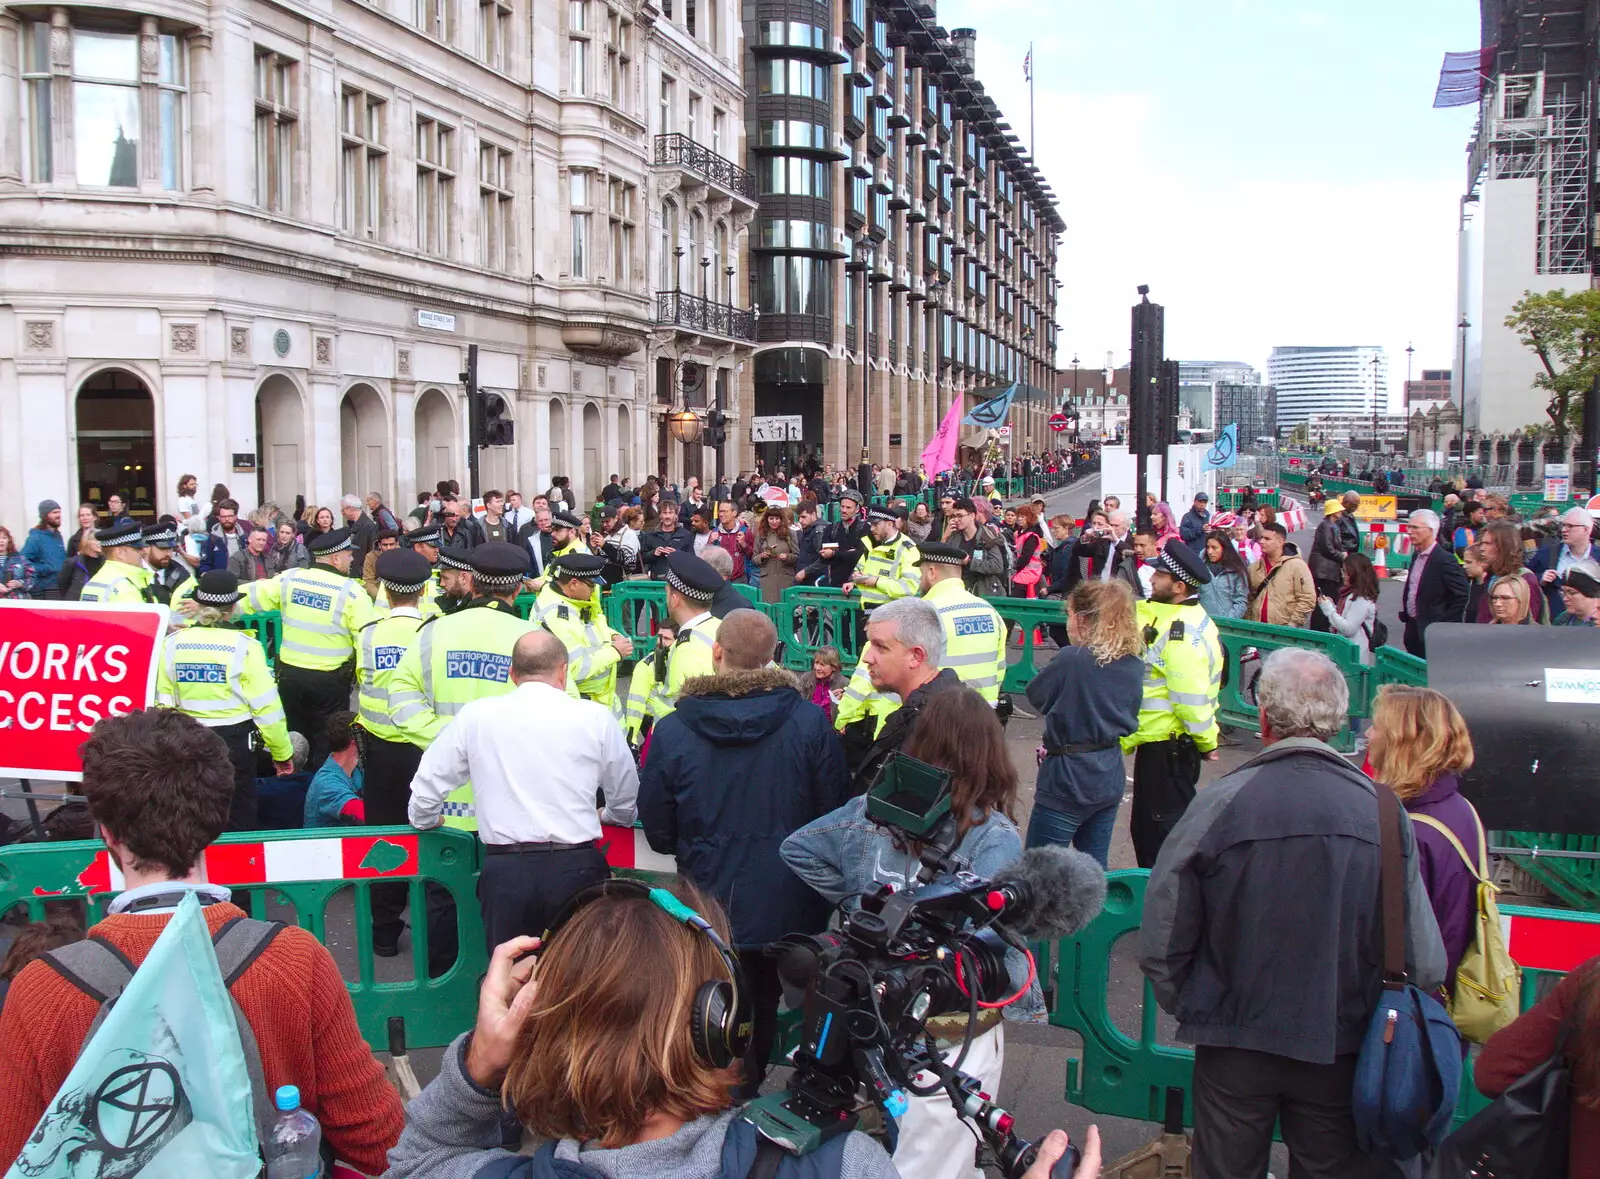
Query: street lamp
1375,445
1462,377
865,250
685,425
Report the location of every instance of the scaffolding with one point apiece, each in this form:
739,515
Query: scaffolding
1526,133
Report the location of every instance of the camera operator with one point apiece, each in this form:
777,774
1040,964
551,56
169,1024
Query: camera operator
845,854
646,1104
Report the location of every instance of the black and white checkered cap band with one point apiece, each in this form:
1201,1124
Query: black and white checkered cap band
128,536
688,591
1172,566
447,561
496,580
940,558
882,514
414,587
342,546
167,536
217,599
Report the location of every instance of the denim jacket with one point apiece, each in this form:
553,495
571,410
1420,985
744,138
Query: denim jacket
845,854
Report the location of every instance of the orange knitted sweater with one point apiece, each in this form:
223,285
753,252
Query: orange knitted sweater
297,1006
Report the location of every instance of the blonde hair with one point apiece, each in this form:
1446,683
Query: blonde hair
829,656
1110,625
1417,737
1519,590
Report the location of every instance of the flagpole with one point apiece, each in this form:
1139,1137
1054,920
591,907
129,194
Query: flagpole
1033,146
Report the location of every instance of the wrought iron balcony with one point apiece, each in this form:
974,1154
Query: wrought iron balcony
679,151
692,313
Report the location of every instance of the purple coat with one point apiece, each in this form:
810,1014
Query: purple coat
1451,888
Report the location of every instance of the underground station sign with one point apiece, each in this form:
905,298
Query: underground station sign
64,666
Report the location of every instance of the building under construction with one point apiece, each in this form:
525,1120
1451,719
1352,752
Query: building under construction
1528,219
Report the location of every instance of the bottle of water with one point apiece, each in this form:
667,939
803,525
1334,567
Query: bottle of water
295,1151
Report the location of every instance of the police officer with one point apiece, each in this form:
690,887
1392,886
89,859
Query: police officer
887,568
455,580
219,676
691,584
424,544
391,760
1178,719
569,608
322,609
166,574
122,579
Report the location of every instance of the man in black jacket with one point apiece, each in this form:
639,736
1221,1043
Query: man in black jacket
1436,585
747,723
905,644
666,538
807,542
842,543
1336,538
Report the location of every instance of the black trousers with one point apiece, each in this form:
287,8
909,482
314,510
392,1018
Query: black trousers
1325,589
386,792
522,886
240,737
1164,777
1239,1095
758,975
309,699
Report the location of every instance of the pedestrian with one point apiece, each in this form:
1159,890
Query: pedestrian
80,569
1228,592
1260,934
1178,714
845,854
1282,592
1089,696
1477,575
1580,595
1419,749
18,578
1436,587
666,538
387,541
744,723
540,831
1328,554
289,553
321,522
229,531
159,788
1196,523
1510,601
251,563
824,684
1353,613
1551,562
45,550
1027,568
188,503
88,521
920,527
774,554
1503,554
841,543
987,568
1245,542
808,532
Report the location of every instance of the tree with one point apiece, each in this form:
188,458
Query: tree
1563,330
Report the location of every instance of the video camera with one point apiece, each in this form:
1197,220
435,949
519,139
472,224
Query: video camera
899,959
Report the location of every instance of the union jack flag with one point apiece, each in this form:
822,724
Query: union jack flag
1027,66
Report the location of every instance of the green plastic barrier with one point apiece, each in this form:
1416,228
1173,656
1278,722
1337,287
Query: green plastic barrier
1394,562
1128,1076
1577,882
637,609
810,617
268,630
1031,615
1237,634
1394,666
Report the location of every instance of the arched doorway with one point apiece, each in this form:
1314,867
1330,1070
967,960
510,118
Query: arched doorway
280,442
558,439
364,443
593,442
625,446
438,441
116,426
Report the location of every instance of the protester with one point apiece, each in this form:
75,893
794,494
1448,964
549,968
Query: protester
1502,556
289,553
1196,523
1227,594
743,724
251,562
1436,587
825,682
1260,934
775,554
1027,569
18,578
1282,592
44,549
1089,696
844,854
88,521
987,572
726,599
159,787
35,940
80,569
1580,595
1419,748
334,796
1510,601
1353,613
920,526
1164,524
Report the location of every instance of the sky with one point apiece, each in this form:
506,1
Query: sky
1272,169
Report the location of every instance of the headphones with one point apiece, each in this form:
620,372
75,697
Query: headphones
719,1019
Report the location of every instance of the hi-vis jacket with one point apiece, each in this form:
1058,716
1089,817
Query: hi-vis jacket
322,610
690,657
220,677
427,604
1182,676
898,567
457,658
380,645
592,659
115,583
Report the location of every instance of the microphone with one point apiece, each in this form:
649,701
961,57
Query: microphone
1050,893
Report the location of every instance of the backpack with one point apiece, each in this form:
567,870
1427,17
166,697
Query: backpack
1488,993
97,968
1407,1075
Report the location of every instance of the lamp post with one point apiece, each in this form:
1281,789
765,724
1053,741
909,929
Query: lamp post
1375,443
864,253
1465,323
727,273
677,277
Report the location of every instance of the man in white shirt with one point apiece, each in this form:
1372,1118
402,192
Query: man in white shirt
536,758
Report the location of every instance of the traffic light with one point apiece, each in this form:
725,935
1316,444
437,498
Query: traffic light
716,428
498,429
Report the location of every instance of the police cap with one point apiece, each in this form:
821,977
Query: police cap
564,519
455,558
403,571
121,532
498,565
894,512
1179,559
217,588
329,543
941,554
692,577
162,536
427,534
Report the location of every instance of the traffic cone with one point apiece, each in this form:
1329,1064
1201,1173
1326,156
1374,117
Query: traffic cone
1379,565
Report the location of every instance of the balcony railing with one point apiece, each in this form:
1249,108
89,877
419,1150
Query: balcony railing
679,151
692,313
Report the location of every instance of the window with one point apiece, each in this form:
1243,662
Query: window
624,199
579,188
40,163
697,251
794,176
619,58
793,284
275,127
496,229
436,18
105,98
666,277
436,186
783,76
719,130
578,39
719,264
494,33
362,168
669,105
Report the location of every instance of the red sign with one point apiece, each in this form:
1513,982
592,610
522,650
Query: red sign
1058,422
63,666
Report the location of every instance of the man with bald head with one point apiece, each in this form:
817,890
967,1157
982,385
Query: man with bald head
539,826
741,763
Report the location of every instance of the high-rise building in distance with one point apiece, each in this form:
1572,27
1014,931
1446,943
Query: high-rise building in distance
1339,379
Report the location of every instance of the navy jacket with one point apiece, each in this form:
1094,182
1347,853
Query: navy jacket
1084,703
680,539
742,763
1546,557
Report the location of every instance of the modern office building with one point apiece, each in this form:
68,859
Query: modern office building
1328,380
1254,407
905,249
1197,390
251,242
1434,389
1354,429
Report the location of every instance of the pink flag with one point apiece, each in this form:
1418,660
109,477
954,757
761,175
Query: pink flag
940,454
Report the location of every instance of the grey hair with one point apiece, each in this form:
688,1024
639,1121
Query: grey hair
1117,518
1302,694
351,501
300,750
719,559
211,615
1577,516
916,624
1427,517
